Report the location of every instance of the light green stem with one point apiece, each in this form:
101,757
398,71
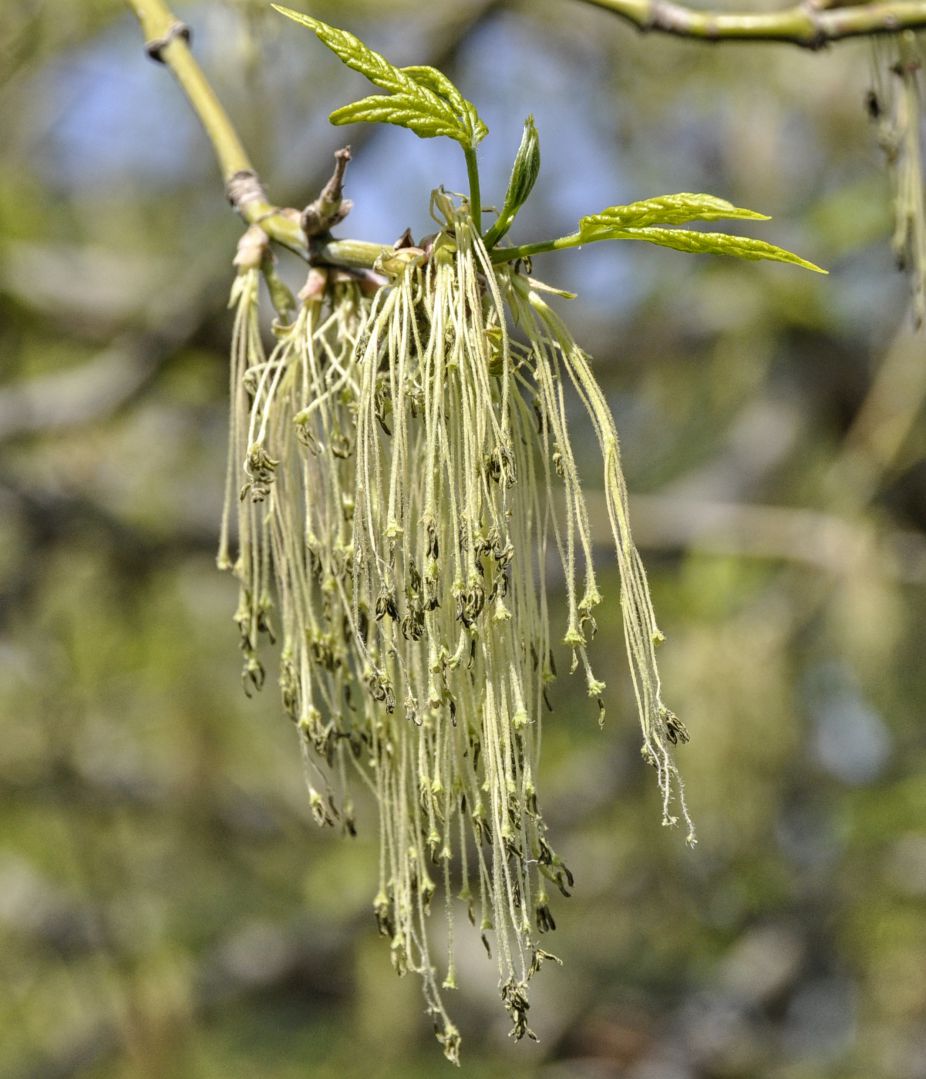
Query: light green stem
509,254
498,229
475,199
282,226
157,21
811,24
352,254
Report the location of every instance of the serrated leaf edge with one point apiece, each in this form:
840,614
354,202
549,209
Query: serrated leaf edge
453,114
715,243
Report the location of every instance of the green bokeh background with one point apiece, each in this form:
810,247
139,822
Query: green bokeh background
167,906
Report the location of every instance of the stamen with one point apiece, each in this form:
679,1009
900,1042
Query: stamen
400,455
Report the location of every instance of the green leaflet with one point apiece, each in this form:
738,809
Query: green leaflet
649,218
422,99
432,79
398,109
712,243
437,81
663,210
654,219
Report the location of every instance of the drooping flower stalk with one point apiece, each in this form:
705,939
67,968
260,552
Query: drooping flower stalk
554,352
400,457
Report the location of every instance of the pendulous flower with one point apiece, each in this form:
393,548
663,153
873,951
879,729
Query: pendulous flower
398,457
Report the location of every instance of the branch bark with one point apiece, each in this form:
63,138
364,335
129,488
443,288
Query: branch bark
810,25
167,40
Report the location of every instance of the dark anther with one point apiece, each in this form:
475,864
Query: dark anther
470,604
433,545
539,958
412,624
386,604
157,45
414,578
544,918
872,105
675,730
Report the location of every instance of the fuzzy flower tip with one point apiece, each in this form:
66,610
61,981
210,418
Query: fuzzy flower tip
393,462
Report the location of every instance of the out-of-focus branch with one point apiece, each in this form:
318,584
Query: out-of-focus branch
810,25
83,394
55,402
779,533
253,959
883,425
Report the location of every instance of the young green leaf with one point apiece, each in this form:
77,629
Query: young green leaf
398,109
712,243
663,210
653,219
423,99
437,81
432,79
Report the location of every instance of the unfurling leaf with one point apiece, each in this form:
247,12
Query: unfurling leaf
396,109
665,210
652,220
713,243
422,98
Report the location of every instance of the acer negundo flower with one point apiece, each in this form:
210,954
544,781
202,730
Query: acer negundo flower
402,472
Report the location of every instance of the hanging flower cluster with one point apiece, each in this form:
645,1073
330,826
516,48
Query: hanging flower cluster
403,473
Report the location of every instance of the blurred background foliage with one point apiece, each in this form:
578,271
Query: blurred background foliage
167,906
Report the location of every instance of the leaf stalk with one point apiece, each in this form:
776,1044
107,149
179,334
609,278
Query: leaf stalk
475,198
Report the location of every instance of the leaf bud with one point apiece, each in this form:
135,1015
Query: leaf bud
525,170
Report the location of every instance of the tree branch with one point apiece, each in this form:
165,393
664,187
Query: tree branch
167,41
94,390
822,541
810,25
